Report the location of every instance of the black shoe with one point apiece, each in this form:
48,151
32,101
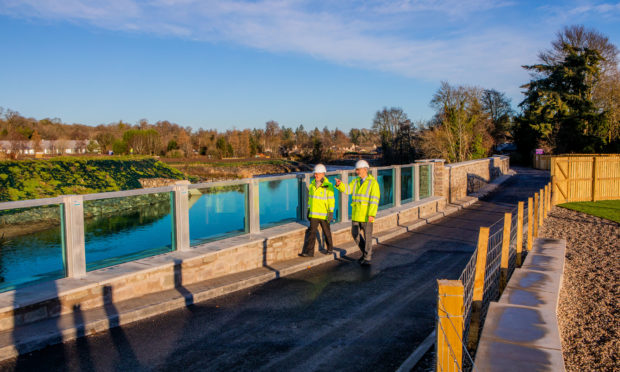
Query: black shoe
305,255
329,251
365,263
360,260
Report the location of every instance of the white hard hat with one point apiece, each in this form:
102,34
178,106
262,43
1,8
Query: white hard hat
320,168
361,164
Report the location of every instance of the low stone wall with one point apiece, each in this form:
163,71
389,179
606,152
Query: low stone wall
470,176
177,269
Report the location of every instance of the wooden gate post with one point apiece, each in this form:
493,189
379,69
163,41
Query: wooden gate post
503,279
535,221
530,224
519,247
476,306
449,328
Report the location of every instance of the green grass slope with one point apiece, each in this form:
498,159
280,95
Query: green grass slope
609,209
33,179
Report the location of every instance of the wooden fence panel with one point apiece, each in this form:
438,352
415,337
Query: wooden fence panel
585,178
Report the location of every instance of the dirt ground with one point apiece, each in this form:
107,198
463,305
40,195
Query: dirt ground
588,310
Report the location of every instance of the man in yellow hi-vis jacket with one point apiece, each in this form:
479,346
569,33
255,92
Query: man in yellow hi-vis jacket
321,203
365,203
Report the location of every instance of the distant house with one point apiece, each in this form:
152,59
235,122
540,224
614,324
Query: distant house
47,147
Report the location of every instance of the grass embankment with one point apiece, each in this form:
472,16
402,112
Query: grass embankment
608,209
33,179
203,170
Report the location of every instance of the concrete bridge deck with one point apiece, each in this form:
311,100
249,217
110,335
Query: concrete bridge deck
337,316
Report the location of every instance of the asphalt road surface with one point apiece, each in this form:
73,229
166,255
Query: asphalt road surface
339,316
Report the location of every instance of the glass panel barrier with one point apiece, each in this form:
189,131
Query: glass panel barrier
385,178
278,202
217,213
425,181
124,229
406,185
31,246
351,176
332,179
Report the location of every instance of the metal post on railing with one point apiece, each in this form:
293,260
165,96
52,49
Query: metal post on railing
416,182
449,328
304,195
253,217
73,235
344,198
476,306
519,246
530,224
505,252
181,217
397,184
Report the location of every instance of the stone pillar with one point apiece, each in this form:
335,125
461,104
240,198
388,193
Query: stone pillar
440,179
253,217
73,235
397,185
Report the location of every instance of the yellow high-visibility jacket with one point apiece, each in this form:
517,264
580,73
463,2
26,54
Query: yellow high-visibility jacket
365,201
321,199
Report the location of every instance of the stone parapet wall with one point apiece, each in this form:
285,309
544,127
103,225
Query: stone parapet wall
470,176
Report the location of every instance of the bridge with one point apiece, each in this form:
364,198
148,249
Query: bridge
322,313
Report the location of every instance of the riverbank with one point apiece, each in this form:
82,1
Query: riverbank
588,313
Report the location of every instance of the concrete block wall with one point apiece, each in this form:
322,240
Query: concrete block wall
470,176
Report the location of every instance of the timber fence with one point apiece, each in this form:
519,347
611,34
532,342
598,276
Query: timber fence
585,177
462,304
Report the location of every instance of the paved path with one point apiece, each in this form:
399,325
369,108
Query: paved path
338,316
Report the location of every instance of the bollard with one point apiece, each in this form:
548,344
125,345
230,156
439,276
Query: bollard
519,246
535,221
505,252
476,306
449,328
530,223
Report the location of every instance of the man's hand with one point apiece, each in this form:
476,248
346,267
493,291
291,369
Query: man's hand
308,214
371,219
338,182
330,216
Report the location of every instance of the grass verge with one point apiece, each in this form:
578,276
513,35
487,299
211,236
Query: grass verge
608,209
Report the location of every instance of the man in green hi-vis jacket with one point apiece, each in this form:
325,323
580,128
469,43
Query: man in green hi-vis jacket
365,203
321,204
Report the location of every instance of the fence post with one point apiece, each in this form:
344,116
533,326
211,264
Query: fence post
181,218
547,200
73,230
530,223
535,221
594,179
253,207
519,246
476,306
505,252
541,212
397,185
344,198
449,328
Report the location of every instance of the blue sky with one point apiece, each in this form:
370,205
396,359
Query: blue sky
239,63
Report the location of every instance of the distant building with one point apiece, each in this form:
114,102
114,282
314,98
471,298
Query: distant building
48,147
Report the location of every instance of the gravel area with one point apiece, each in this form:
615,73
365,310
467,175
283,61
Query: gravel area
588,310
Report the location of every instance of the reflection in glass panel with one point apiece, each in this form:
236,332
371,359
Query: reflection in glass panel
332,179
124,229
406,185
425,181
385,178
31,248
279,202
216,213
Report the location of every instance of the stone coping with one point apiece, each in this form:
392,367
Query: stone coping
521,330
52,290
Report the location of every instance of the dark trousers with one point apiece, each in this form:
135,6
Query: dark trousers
362,234
311,232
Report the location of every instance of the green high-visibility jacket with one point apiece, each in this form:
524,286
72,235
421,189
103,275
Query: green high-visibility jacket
365,200
321,199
